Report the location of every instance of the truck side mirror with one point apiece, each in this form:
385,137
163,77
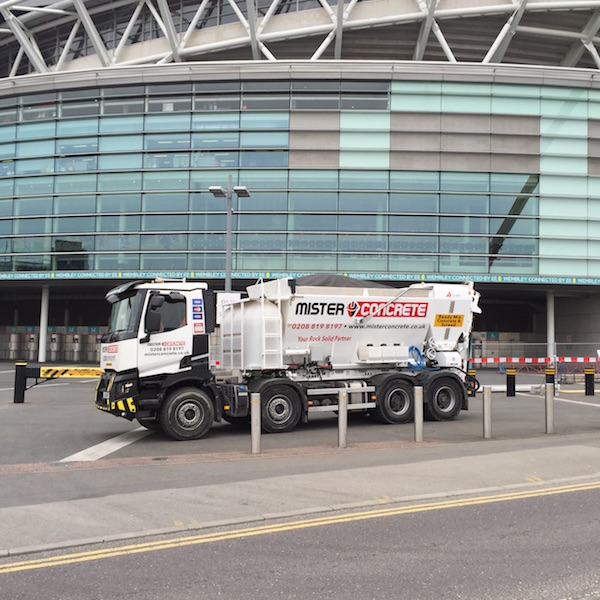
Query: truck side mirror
152,322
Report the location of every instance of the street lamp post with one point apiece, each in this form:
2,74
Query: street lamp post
220,192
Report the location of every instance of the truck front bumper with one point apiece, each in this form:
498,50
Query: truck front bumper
117,394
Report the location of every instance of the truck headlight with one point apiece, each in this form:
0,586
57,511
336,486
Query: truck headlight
125,388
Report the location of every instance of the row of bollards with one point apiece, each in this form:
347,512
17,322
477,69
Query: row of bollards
511,376
255,418
255,412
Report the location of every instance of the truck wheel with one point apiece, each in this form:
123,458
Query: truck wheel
445,402
150,423
187,414
395,402
280,409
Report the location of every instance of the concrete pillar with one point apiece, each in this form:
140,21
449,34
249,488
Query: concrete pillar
550,329
43,323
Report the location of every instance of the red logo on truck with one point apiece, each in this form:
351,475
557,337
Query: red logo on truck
383,309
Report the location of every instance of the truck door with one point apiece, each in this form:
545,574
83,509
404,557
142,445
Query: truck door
167,337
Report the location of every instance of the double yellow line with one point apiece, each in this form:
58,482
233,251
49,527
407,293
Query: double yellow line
206,538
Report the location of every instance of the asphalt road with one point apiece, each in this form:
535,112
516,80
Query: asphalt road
455,516
528,545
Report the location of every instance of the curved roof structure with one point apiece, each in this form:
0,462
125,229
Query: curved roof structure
40,36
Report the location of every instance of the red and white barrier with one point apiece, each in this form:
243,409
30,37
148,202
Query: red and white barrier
534,361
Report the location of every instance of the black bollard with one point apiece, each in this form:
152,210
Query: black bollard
589,380
511,380
20,382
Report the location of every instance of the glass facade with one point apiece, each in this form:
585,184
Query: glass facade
115,179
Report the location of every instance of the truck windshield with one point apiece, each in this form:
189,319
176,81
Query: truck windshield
125,317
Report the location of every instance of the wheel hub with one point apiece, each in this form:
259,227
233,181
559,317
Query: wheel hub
189,414
278,409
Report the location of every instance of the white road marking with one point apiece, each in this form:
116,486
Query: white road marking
108,447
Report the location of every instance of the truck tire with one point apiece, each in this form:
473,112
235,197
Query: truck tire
395,402
150,423
187,414
445,399
280,409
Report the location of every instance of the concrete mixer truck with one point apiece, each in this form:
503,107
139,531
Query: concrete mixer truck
170,363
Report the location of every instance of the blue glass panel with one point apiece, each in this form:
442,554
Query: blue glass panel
119,203
167,160
413,243
225,159
77,126
164,223
463,225
207,241
363,202
313,201
413,263
35,130
517,205
206,262
464,204
259,241
83,145
74,204
34,165
32,244
6,208
32,263
324,179
164,142
33,206
365,180
463,245
415,180
311,263
312,222
266,261
29,186
465,182
130,123
272,120
119,182
264,139
163,241
265,201
410,224
166,180
167,122
76,163
74,224
362,243
516,183
121,143
36,148
75,183
73,243
163,262
262,179
363,223
206,202
32,226
8,132
7,150
264,158
210,222
269,222
116,262
374,263
123,223
414,203
312,242
216,139
7,169
165,202
213,121
107,162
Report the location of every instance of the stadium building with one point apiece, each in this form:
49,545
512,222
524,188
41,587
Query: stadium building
397,140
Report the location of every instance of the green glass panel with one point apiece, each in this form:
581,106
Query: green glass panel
163,241
312,242
75,183
121,143
421,96
322,179
312,222
128,124
411,224
166,180
119,203
74,224
116,262
123,223
164,223
107,162
215,121
163,262
257,120
119,182
413,263
37,148
313,201
74,204
77,126
415,180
